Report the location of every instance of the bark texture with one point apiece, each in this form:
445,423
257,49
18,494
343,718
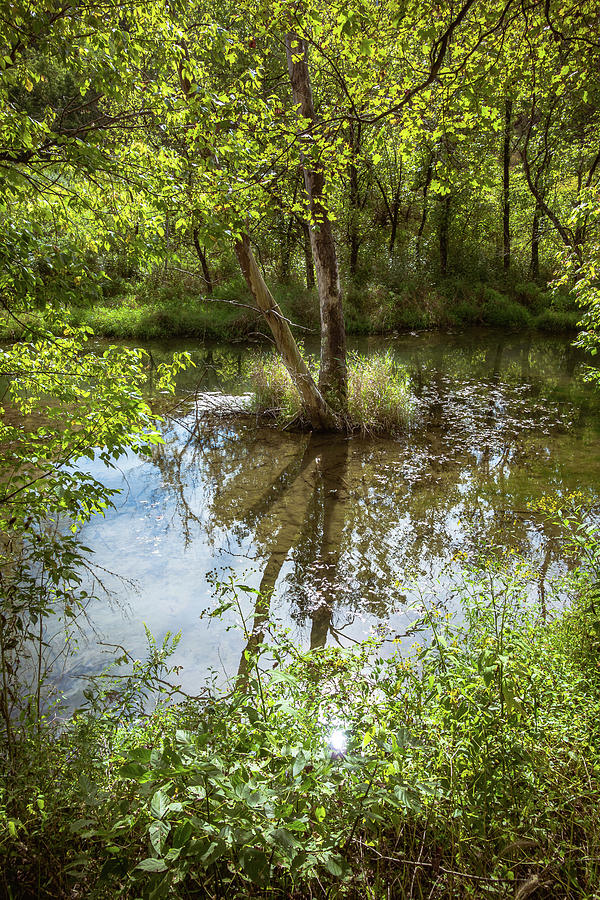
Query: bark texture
333,373
308,258
444,230
322,418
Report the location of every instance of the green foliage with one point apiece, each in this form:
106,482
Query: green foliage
558,320
338,767
464,313
499,310
187,319
63,403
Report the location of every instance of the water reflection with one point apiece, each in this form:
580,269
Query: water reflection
336,533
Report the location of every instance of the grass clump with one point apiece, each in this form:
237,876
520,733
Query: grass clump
380,400
274,392
557,321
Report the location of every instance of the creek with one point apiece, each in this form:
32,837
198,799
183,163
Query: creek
345,537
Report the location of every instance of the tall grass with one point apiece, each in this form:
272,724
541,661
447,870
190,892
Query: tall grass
379,395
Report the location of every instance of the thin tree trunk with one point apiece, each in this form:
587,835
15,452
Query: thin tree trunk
428,177
308,259
535,242
203,262
321,416
444,227
394,217
355,240
333,376
506,187
286,251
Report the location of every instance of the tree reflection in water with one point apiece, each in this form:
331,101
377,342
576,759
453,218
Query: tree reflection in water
338,524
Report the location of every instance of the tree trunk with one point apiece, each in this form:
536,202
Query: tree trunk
203,262
333,376
506,187
354,248
355,239
286,250
308,259
428,177
444,225
394,217
535,242
322,418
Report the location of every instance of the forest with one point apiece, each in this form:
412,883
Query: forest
299,449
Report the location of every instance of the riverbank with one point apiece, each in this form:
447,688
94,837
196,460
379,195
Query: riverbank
175,310
466,765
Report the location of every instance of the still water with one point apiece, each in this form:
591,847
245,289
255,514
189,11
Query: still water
342,535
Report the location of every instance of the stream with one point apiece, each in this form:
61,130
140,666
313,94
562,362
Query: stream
345,537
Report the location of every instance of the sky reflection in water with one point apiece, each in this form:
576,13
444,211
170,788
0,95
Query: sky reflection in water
342,533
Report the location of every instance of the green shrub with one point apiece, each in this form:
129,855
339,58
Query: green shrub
530,295
298,303
203,320
558,320
471,757
464,312
499,310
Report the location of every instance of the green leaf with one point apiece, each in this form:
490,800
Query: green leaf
132,770
299,764
335,865
285,839
255,864
159,803
152,865
158,832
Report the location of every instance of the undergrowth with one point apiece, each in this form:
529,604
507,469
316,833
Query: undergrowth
174,308
465,765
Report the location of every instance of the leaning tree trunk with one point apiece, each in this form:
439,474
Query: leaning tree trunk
333,376
322,418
